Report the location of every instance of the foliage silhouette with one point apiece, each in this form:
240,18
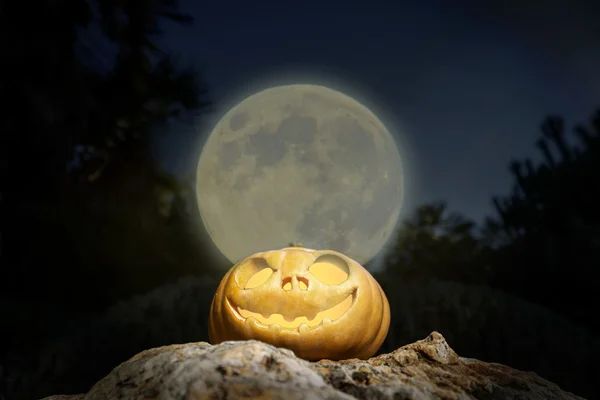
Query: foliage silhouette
87,216
552,223
545,240
433,244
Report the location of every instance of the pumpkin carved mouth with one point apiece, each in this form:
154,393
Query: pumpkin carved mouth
276,322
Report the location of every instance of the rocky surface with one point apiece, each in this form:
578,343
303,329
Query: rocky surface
426,369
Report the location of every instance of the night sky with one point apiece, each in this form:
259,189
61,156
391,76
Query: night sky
463,86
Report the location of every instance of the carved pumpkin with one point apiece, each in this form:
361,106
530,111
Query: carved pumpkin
320,304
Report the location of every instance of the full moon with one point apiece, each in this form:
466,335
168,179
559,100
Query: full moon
303,164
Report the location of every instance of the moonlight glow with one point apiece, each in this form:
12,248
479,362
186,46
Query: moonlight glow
299,163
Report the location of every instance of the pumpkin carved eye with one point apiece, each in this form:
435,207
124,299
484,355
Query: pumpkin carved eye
330,269
253,273
259,278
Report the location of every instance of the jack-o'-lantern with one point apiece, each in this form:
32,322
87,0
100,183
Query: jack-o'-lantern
320,304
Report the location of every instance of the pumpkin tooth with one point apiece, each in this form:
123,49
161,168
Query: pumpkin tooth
303,328
326,321
249,325
275,328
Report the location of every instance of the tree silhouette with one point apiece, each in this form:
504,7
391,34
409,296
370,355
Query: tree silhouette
88,217
434,244
552,221
542,246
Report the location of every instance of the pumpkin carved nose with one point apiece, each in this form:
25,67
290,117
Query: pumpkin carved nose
294,282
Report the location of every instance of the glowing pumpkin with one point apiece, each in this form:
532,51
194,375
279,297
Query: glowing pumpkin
320,304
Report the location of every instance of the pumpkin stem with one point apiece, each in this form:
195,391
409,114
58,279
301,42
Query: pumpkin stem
294,244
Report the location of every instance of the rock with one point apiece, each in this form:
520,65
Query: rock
426,369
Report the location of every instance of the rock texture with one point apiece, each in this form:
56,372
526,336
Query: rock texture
426,369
